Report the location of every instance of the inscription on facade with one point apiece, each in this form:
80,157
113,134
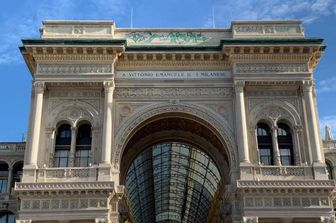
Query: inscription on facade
173,74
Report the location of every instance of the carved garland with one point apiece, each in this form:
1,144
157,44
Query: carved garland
211,120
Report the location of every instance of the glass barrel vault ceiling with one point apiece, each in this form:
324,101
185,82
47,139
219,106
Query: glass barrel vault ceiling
171,182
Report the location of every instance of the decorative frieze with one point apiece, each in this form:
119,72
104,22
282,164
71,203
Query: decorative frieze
169,92
74,94
64,186
63,203
286,201
46,69
271,93
253,68
326,184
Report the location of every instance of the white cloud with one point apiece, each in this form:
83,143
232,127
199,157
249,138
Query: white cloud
328,85
26,24
329,121
306,10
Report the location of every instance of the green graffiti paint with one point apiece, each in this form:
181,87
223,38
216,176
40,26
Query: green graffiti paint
172,37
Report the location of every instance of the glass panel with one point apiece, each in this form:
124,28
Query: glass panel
171,182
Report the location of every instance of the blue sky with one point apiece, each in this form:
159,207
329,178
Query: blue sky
22,19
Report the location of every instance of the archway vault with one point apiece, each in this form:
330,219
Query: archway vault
173,127
201,115
173,165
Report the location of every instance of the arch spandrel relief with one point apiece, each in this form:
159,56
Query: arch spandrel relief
74,111
204,115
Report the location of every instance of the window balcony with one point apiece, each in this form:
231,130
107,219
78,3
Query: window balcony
67,174
278,172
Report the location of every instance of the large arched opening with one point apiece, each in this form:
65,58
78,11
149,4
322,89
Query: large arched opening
174,167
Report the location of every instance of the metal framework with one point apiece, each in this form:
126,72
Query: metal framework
171,182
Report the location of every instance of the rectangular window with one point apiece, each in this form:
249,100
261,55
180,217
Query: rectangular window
82,157
285,156
3,185
265,155
61,158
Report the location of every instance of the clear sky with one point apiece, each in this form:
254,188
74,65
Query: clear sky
22,19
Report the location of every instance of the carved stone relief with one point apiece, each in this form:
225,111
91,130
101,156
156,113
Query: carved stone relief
74,111
210,118
246,68
271,109
224,109
169,92
64,69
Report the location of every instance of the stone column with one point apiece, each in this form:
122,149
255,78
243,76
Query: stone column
107,128
314,137
32,150
276,152
94,142
296,141
50,134
241,129
72,147
10,180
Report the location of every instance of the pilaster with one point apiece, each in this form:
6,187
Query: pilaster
241,136
105,164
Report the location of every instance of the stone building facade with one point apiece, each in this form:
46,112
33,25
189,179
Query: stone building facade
172,125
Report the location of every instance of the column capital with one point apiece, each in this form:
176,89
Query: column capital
307,85
23,221
73,129
298,128
274,128
109,86
38,86
250,219
102,220
239,85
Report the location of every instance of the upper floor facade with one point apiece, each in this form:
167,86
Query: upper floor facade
240,101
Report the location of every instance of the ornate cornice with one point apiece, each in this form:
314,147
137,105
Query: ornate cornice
192,61
323,184
20,187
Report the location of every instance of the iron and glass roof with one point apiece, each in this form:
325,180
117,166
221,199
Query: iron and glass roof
171,182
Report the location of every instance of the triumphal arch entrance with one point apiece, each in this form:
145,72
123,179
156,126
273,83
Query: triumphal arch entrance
173,125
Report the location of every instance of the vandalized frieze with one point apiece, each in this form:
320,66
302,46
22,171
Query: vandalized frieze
171,37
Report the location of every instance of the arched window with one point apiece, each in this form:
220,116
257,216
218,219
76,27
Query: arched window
17,172
62,146
329,170
7,217
3,177
83,145
265,147
285,145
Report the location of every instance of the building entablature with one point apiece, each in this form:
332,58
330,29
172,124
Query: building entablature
79,50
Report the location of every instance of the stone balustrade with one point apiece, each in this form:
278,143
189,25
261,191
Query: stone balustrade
15,147
73,174
279,172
